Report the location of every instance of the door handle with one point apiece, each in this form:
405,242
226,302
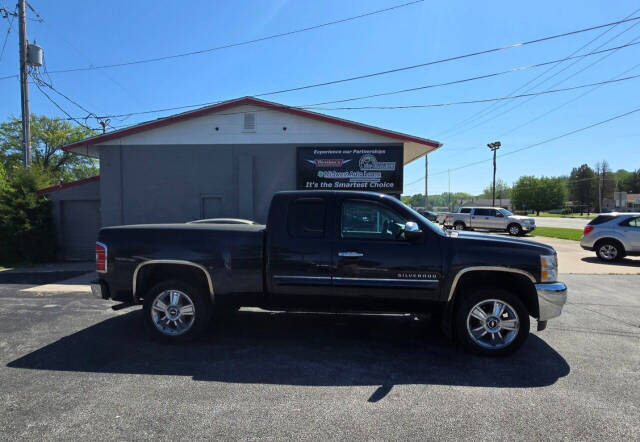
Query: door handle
350,254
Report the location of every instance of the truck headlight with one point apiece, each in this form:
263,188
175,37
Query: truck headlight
548,268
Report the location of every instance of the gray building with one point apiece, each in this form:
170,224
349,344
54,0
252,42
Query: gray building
224,160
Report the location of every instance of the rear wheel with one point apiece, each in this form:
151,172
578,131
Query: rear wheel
175,311
609,250
459,225
514,229
492,322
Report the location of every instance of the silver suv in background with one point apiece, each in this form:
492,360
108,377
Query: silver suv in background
489,218
613,236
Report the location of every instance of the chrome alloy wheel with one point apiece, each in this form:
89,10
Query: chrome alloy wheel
608,252
173,312
459,226
514,230
493,324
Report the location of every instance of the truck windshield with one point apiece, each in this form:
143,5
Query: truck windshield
505,212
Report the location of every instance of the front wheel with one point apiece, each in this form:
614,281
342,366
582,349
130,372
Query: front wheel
175,311
459,226
514,229
492,322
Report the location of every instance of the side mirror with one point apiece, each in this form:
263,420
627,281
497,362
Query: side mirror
411,231
499,215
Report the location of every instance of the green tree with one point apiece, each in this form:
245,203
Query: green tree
502,190
580,185
416,200
627,181
47,138
604,185
26,225
538,194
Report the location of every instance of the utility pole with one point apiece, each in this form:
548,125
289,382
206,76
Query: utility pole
24,83
449,196
494,146
426,183
599,190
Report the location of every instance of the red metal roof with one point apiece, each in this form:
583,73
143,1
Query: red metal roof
66,185
251,101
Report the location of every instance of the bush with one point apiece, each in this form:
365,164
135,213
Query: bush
27,233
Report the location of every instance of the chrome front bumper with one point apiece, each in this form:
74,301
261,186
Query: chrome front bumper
551,298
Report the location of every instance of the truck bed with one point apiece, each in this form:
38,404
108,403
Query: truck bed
233,254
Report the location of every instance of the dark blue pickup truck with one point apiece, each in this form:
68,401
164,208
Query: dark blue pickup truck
333,251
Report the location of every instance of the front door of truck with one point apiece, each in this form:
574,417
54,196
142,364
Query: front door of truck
373,265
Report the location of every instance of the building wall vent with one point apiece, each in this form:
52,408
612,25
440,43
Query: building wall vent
249,122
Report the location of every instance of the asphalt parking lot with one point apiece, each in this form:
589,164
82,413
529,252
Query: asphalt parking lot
71,368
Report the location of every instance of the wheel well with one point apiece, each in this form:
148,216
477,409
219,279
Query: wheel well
459,222
520,285
152,274
601,240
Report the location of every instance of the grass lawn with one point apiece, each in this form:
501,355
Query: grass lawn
573,215
558,232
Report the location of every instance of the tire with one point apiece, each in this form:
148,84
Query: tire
186,327
514,229
459,225
609,250
491,338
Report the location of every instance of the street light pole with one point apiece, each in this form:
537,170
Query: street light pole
494,146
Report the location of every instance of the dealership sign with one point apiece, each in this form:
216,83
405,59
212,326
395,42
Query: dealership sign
377,169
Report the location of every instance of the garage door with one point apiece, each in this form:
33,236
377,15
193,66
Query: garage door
80,225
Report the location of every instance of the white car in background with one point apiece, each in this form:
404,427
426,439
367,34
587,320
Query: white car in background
613,236
494,219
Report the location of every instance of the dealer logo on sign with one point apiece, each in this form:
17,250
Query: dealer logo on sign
369,162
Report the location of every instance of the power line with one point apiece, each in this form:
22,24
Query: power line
444,60
479,77
417,106
491,107
530,146
544,114
71,45
493,117
6,37
242,43
452,103
58,106
429,63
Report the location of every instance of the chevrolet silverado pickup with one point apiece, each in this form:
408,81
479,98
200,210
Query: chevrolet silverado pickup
332,251
489,218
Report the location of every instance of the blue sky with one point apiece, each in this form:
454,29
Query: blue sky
81,33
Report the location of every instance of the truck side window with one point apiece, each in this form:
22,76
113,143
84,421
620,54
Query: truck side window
482,212
465,210
306,217
365,220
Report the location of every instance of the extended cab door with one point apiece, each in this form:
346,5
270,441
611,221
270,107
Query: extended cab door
299,247
373,265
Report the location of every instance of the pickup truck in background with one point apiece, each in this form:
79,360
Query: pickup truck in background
489,218
332,251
